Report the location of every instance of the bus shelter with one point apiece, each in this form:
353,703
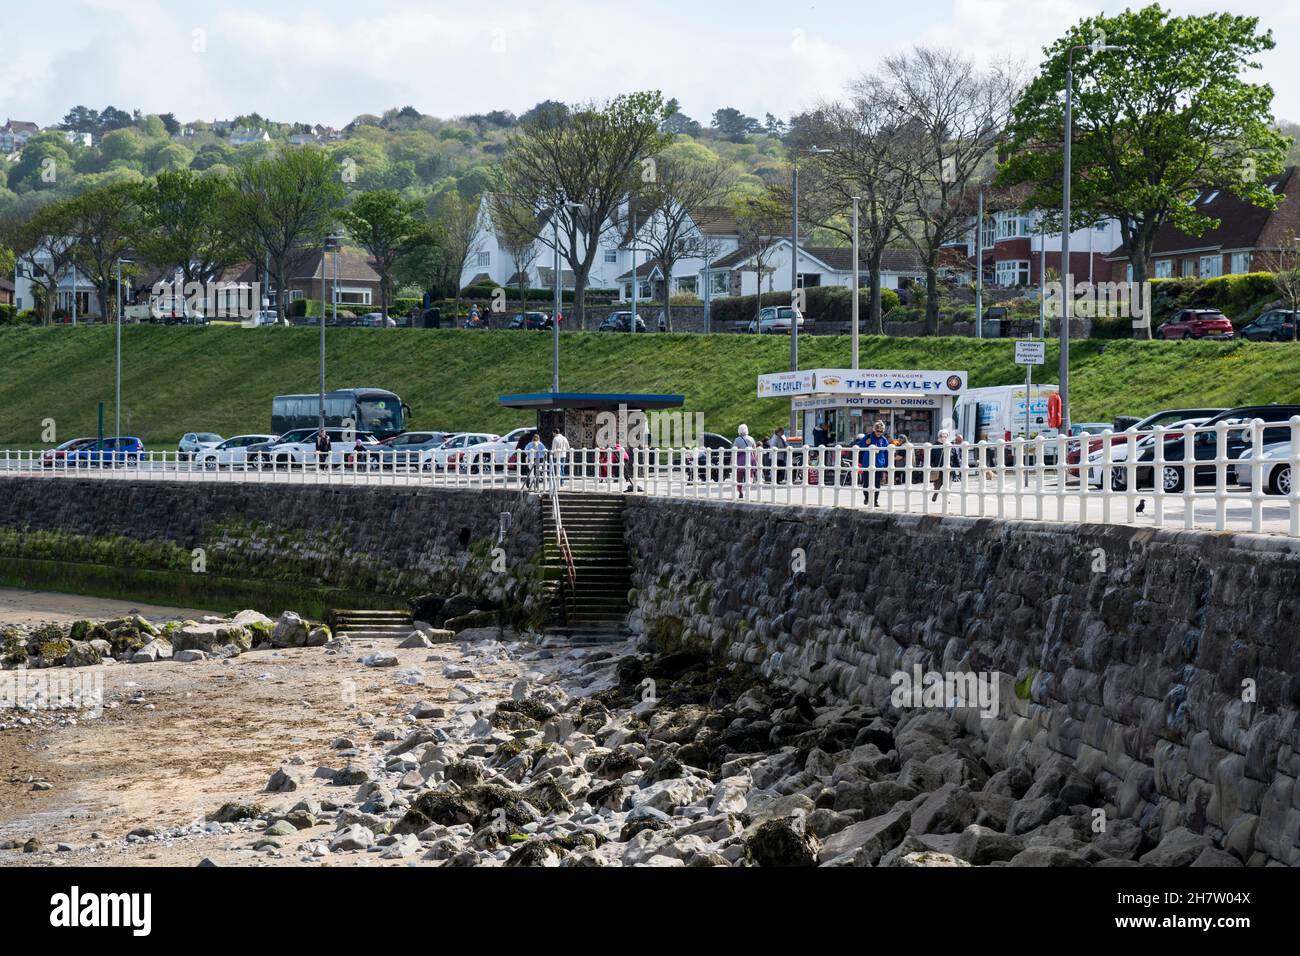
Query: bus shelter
835,406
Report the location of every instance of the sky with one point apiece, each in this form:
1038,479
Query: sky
327,61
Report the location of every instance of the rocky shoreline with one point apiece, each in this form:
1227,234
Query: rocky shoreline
611,756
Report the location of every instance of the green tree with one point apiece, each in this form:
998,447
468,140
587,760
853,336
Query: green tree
102,224
43,244
1156,124
122,144
389,228
182,225
284,203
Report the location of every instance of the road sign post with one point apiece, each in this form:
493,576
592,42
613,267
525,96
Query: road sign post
1029,352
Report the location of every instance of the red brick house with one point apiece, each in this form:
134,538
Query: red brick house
1245,240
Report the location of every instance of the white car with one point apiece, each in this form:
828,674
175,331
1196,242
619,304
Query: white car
192,444
232,451
496,453
1275,462
300,449
1119,450
452,453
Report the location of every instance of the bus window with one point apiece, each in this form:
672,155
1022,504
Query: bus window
380,414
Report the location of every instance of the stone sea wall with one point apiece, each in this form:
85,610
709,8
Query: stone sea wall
1163,666
270,546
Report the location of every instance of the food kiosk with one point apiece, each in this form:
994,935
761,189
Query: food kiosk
578,414
835,406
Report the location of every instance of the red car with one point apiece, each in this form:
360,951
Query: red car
59,455
1197,324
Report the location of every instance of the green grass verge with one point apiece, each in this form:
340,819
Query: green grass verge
178,379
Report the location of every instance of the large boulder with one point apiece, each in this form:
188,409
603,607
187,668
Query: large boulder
221,640
290,631
157,649
866,842
781,842
86,653
949,809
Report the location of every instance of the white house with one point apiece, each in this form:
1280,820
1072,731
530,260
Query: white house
707,236
244,136
738,273
489,263
72,282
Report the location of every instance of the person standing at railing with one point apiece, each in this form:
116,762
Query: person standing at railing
560,454
534,456
878,441
744,448
778,442
322,448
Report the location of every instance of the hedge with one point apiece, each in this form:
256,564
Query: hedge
827,303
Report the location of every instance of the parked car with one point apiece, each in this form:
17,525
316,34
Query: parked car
192,443
121,450
299,447
258,454
1275,468
451,454
1196,324
407,450
1277,325
531,320
711,461
1120,443
1166,418
1205,447
58,455
775,320
619,321
495,454
233,452
265,318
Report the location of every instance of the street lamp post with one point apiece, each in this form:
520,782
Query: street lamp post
331,240
979,268
555,316
857,287
631,326
794,276
1067,276
117,391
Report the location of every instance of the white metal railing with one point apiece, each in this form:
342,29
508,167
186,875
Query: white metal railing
1145,478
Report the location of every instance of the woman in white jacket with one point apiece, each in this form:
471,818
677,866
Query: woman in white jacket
743,447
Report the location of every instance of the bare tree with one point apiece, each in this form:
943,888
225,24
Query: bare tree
671,209
759,222
579,165
516,227
864,151
460,223
951,115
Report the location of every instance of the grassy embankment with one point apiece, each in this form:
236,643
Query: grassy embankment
222,378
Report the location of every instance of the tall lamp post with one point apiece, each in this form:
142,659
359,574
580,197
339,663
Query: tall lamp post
117,391
1067,277
979,268
794,274
857,287
331,241
556,208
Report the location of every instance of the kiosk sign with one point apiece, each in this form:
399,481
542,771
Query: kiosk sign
832,381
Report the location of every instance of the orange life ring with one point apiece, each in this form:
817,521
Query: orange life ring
1054,411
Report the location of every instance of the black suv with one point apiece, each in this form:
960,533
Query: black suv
1205,447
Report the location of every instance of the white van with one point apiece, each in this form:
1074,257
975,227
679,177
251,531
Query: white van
998,414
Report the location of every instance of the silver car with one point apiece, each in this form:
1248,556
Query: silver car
192,443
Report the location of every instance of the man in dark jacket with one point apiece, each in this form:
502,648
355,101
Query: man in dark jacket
878,441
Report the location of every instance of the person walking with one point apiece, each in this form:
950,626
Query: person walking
322,448
744,448
876,443
779,443
560,455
